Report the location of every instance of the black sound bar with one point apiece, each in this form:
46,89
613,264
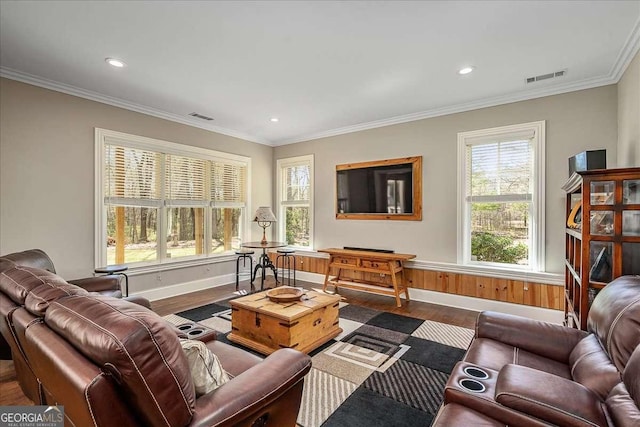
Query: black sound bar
384,251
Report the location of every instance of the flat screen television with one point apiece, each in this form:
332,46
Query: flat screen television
385,189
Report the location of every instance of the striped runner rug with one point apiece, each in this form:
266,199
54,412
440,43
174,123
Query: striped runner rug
383,370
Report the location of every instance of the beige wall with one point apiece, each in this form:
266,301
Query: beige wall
629,115
576,122
47,174
47,170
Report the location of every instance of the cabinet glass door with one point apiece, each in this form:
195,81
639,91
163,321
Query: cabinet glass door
630,223
631,192
602,223
602,192
630,258
601,261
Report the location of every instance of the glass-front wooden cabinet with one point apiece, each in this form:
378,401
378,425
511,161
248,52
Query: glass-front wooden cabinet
602,235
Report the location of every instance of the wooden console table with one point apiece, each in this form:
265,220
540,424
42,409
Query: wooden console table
368,262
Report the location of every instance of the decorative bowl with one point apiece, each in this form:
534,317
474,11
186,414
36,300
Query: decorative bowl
285,294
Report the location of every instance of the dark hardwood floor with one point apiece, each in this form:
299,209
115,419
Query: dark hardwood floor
11,394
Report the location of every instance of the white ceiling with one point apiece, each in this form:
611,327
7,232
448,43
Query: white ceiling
321,67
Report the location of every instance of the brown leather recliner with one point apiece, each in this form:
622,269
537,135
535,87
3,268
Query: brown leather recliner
14,288
536,373
110,285
12,297
621,408
105,285
114,363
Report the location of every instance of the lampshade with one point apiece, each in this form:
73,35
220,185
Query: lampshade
264,214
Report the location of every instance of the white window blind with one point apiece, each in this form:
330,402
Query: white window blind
185,179
500,171
228,184
131,176
160,202
501,210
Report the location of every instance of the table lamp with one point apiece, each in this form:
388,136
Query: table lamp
264,217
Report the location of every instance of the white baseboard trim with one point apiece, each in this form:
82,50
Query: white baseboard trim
187,287
468,303
310,277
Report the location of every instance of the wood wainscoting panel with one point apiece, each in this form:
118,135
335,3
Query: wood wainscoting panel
484,288
447,282
427,279
532,294
415,278
430,279
491,288
510,290
552,296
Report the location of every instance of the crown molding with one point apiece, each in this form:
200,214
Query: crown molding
627,53
120,103
458,108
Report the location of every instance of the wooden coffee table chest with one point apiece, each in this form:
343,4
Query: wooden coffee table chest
266,326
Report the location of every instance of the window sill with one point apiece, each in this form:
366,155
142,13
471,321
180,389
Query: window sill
176,265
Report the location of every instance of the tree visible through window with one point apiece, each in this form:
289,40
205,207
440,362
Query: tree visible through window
501,218
159,205
295,200
500,201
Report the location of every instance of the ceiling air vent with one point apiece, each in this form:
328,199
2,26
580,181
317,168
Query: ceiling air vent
546,76
200,116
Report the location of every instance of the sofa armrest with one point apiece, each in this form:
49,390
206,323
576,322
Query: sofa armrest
99,283
256,388
138,300
548,397
542,338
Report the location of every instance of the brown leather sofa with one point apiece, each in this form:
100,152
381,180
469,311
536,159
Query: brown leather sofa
114,363
110,285
104,285
523,372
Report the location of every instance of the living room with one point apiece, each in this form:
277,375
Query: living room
49,134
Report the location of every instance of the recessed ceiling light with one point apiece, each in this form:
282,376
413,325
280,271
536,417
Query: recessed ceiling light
465,70
115,62
274,119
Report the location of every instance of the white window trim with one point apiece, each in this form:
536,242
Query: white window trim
289,162
538,206
103,136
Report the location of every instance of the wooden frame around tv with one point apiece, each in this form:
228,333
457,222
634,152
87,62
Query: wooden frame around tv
416,174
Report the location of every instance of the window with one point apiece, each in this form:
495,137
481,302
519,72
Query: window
501,197
158,201
295,201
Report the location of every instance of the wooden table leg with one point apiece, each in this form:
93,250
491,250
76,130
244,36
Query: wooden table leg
404,285
326,276
394,281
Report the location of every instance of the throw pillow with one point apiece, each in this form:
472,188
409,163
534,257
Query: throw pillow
206,370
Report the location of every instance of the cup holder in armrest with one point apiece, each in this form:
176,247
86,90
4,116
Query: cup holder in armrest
473,386
195,332
186,326
476,372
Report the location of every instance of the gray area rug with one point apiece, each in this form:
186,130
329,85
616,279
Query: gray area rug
383,370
